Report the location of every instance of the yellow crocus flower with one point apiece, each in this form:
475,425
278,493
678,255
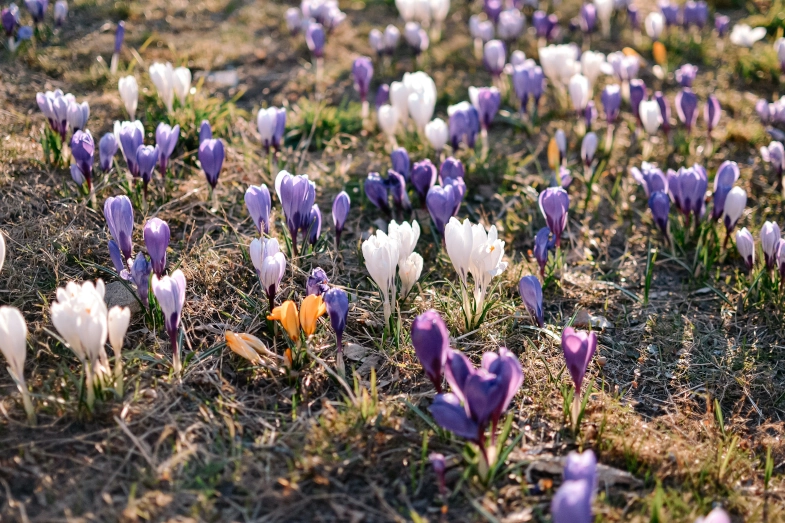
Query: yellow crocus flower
286,313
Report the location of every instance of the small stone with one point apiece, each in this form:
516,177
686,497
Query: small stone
117,294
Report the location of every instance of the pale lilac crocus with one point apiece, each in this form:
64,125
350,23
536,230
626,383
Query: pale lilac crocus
400,162
726,176
146,159
770,242
107,148
317,283
259,203
711,113
341,207
119,215
170,293
531,293
297,195
554,203
660,206
687,107
650,177
166,138
579,348
440,201
745,244
156,239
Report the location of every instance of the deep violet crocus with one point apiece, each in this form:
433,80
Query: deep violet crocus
431,342
542,244
440,201
637,95
665,111
382,95
297,195
711,113
721,24
459,191
341,206
660,206
139,272
205,131
687,187
531,293
211,156
117,259
259,203
376,191
317,283
488,102
400,162
726,176
119,215
37,9
107,148
687,107
554,204
464,124
423,177
166,138
82,150
337,302
315,39
156,239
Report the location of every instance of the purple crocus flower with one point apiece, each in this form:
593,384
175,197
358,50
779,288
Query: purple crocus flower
259,203
745,244
131,137
565,177
493,9
459,191
205,131
488,101
297,195
37,9
510,26
83,149
686,107
464,125
337,304
633,16
579,348
590,114
117,260
544,25
431,342
686,74
440,201
650,177
774,154
695,13
211,156
139,271
362,70
119,215
9,21
448,412
588,18
317,283
611,102
665,111
572,503
581,466
726,176
170,293
156,239
439,465
423,177
376,191
341,206
494,57
382,95
542,244
107,148
451,168
507,368
314,229
396,184
660,206
687,188
554,204
119,36
146,159
315,38
166,138
24,33
711,113
400,162
531,293
721,24
637,95
670,12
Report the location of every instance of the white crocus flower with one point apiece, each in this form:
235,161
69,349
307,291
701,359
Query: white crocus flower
129,93
13,345
266,121
655,25
80,316
181,78
735,203
580,92
388,119
559,63
381,260
421,107
406,234
593,65
604,10
485,264
745,36
162,76
409,270
117,324
651,116
399,98
437,133
2,251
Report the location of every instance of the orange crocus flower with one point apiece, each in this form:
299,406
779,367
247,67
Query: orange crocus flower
310,309
286,313
659,52
554,156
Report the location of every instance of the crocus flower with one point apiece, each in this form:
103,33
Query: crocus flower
437,133
660,206
211,156
510,25
362,70
107,148
531,293
711,113
721,24
686,107
717,515
131,136
77,115
554,204
650,115
9,21
589,148
775,155
156,239
423,176
381,259
37,9
337,302
311,308
287,315
396,185
611,102
166,138
13,345
258,203
745,36
119,36
745,244
431,342
588,16
572,503
317,282
181,83
451,168
735,202
117,259
376,191
297,195
637,95
579,348
581,466
315,38
270,265
625,68
314,229
439,467
82,150
146,159
341,206
119,214
382,96
464,124
459,191
440,201
779,48
580,92
400,162
271,124
162,76
665,111
687,188
654,24
726,176
650,177
118,320
670,12
686,74
590,114
409,270
205,131
770,242
494,57
493,9
129,93
695,13
139,271
170,293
